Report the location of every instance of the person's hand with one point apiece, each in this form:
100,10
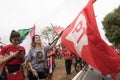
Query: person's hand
21,53
33,72
14,54
53,52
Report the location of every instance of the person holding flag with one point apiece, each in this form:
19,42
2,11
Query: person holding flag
51,62
37,58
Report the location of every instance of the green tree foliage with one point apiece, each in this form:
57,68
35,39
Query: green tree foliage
111,24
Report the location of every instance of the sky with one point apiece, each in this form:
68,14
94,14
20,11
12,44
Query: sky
22,14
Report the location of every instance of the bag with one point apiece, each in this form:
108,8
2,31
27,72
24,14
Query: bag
18,75
43,75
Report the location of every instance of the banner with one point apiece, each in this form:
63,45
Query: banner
83,38
27,41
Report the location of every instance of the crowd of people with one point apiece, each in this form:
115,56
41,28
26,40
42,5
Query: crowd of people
12,57
39,63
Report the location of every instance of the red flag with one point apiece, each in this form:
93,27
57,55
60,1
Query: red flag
83,38
58,30
32,31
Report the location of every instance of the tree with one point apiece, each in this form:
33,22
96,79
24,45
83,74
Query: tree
48,34
111,24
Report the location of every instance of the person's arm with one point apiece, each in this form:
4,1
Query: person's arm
30,67
7,58
28,62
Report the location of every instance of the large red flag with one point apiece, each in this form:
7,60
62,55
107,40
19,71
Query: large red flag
83,38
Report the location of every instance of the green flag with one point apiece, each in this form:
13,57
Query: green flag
23,33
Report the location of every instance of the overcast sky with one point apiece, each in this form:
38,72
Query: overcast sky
19,14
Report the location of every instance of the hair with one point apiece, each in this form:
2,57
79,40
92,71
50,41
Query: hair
33,45
14,34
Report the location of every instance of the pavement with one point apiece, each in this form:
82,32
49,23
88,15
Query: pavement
91,75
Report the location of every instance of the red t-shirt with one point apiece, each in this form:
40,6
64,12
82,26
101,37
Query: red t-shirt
6,50
68,54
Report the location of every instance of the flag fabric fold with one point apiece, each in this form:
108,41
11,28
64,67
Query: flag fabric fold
57,30
83,38
27,41
23,33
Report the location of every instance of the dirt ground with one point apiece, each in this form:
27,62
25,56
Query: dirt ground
59,72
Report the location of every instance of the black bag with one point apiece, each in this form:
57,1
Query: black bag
43,75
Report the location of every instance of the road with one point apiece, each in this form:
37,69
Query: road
92,75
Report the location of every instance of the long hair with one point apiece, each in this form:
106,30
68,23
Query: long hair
33,44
